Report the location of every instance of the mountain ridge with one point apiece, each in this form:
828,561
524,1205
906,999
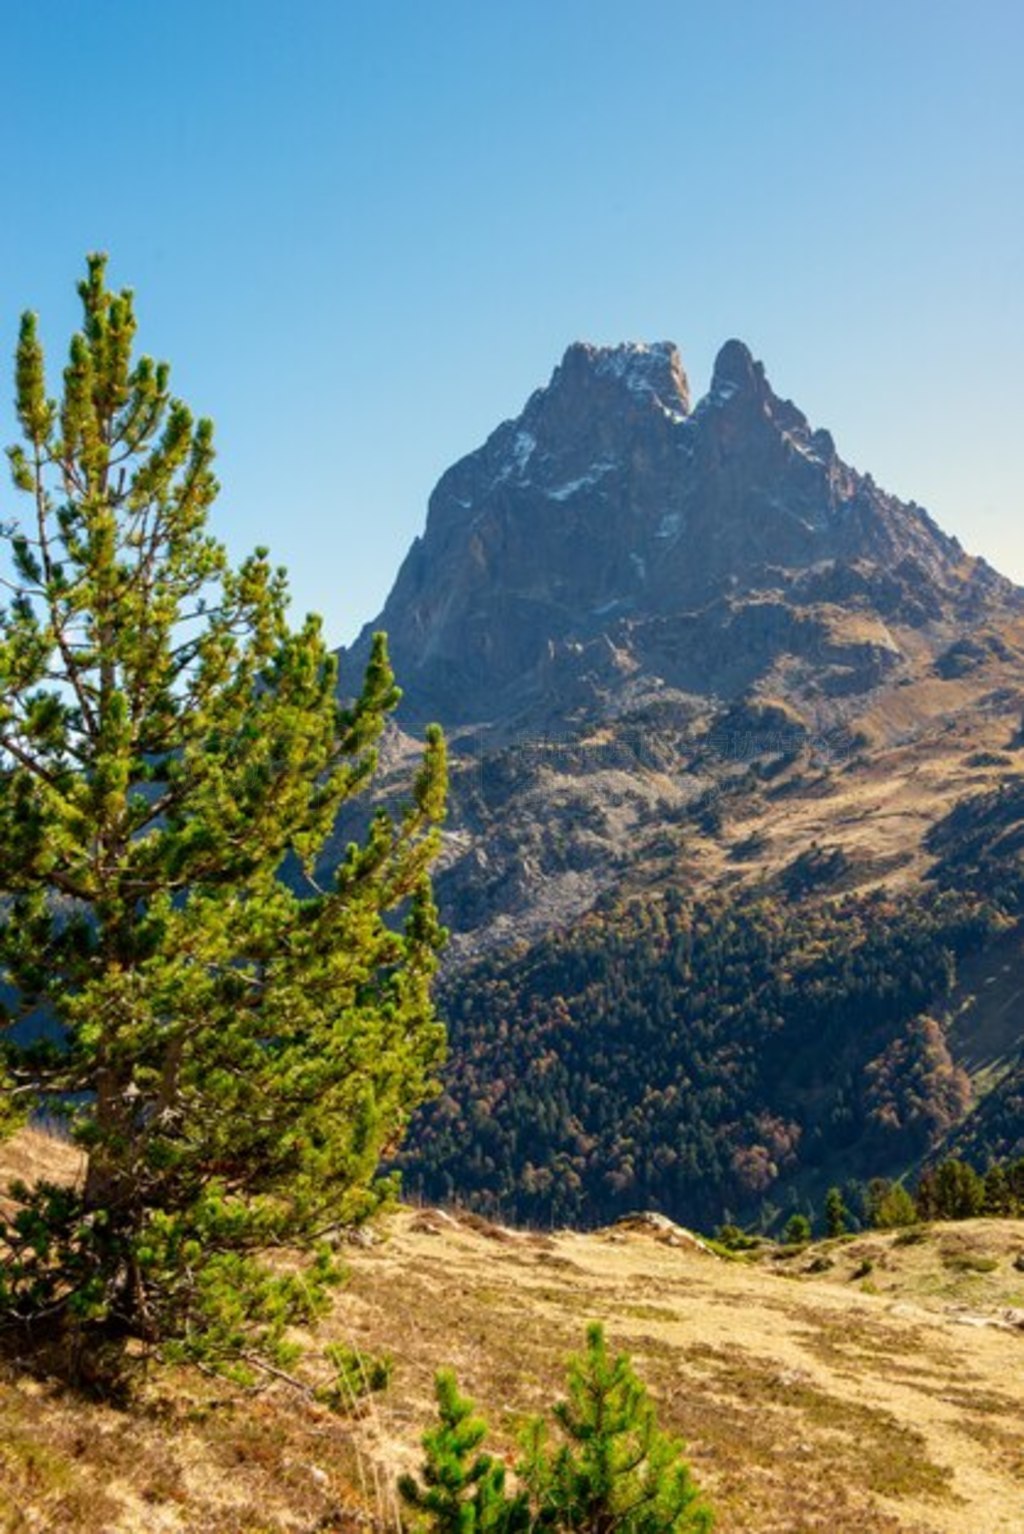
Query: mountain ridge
713,699
610,653
613,526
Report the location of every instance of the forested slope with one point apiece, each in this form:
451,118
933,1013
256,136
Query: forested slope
730,1055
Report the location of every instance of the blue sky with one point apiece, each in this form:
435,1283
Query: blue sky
362,231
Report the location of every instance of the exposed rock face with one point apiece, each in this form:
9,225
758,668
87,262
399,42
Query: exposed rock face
611,532
624,610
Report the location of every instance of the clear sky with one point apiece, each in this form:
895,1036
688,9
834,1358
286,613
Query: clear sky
362,231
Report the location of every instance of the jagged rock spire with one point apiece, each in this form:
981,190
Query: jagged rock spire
609,511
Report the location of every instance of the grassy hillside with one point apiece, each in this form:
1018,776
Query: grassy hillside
864,1386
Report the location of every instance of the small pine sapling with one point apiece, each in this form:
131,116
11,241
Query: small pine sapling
462,1492
616,1471
355,1376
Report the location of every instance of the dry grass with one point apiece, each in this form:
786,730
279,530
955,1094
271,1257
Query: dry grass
31,1155
807,1405
878,804
187,1456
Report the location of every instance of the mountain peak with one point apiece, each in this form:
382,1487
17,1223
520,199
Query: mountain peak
736,371
608,529
644,369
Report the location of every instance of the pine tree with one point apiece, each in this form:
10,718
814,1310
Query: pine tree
616,1471
1015,1183
889,1205
954,1191
836,1213
462,1492
797,1231
234,1049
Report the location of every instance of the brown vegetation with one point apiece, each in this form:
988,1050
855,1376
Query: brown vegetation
866,1385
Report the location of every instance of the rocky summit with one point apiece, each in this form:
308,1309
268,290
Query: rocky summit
649,628
615,537
734,864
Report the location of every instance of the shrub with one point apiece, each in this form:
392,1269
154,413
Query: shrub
462,1492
